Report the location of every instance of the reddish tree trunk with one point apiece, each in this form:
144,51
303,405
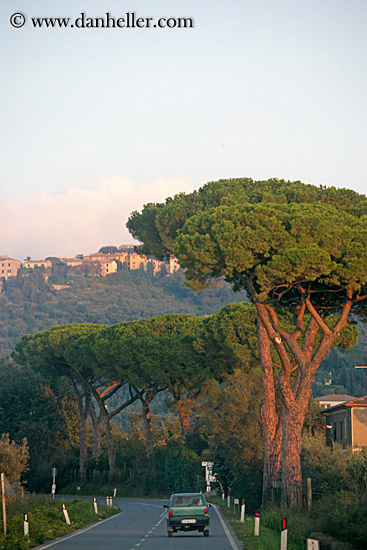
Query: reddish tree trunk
272,432
149,440
291,464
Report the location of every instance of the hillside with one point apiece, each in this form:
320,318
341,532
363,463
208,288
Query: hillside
29,304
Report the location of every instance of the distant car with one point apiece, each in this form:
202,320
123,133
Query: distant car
188,512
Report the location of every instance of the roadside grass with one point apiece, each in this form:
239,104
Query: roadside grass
268,539
46,520
339,522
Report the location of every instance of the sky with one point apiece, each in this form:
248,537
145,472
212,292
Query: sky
96,122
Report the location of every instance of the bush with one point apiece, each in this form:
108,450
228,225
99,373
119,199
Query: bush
326,466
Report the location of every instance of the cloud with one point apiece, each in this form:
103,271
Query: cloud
77,220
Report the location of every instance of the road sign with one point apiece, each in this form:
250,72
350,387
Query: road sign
313,544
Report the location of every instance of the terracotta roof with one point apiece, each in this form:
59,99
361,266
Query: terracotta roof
357,402
6,258
335,397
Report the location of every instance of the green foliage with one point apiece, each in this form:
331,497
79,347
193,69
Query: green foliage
231,421
29,304
326,466
357,469
343,516
230,336
177,469
44,413
13,459
46,520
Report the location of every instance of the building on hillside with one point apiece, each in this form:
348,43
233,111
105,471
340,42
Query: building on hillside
32,264
9,267
346,423
333,399
121,256
108,266
72,262
136,261
173,264
155,265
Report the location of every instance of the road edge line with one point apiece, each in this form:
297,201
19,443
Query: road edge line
75,534
232,542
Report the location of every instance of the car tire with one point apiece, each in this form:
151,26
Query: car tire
170,532
206,532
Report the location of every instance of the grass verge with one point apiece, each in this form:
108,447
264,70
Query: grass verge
46,520
268,539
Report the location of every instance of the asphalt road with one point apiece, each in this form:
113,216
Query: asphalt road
141,525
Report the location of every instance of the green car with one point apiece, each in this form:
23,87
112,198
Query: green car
188,512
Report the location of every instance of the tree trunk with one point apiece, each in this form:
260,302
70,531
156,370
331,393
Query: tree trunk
97,448
148,426
184,417
291,464
83,414
83,452
110,443
182,410
272,431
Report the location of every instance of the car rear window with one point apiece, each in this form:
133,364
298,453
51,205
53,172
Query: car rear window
187,500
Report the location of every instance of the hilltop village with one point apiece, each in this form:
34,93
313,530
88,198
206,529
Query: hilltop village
107,261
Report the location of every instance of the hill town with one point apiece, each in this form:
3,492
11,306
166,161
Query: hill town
106,261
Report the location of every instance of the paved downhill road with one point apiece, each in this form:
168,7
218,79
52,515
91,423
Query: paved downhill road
142,526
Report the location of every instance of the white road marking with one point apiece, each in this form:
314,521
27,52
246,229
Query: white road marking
77,533
226,530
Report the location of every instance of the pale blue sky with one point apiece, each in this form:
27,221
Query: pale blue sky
258,89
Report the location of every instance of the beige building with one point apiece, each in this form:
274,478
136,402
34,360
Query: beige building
173,264
156,264
31,264
8,267
346,423
136,261
107,267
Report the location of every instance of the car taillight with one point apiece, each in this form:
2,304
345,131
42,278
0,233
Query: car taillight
170,514
206,511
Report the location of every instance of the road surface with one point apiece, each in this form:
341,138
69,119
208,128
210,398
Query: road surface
141,525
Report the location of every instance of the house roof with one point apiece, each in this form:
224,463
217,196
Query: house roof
355,402
335,397
6,258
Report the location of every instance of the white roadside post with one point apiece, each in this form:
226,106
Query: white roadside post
53,486
67,519
26,525
3,501
114,492
108,501
95,505
284,535
228,500
257,524
313,544
243,511
223,495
